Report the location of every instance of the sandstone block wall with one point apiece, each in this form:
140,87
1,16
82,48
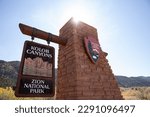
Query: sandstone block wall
78,77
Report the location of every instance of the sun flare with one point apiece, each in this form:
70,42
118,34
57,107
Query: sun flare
78,14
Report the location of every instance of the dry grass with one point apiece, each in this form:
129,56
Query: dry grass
8,94
136,93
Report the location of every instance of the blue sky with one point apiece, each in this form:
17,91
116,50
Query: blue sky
123,27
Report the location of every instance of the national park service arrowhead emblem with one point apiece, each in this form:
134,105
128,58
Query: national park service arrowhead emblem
92,48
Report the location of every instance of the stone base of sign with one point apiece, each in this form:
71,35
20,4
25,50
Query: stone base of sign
78,77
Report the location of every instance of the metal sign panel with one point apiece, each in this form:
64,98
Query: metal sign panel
36,76
93,48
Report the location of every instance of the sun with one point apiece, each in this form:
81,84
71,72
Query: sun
78,13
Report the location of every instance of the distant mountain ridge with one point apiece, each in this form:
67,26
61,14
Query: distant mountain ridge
9,73
139,81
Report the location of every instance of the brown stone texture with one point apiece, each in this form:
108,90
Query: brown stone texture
78,77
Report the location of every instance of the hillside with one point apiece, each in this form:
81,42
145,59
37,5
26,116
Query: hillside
133,81
9,69
9,72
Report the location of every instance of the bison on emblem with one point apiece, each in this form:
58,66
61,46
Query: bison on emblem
93,48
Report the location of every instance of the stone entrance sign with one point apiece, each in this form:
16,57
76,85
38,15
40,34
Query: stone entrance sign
83,70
